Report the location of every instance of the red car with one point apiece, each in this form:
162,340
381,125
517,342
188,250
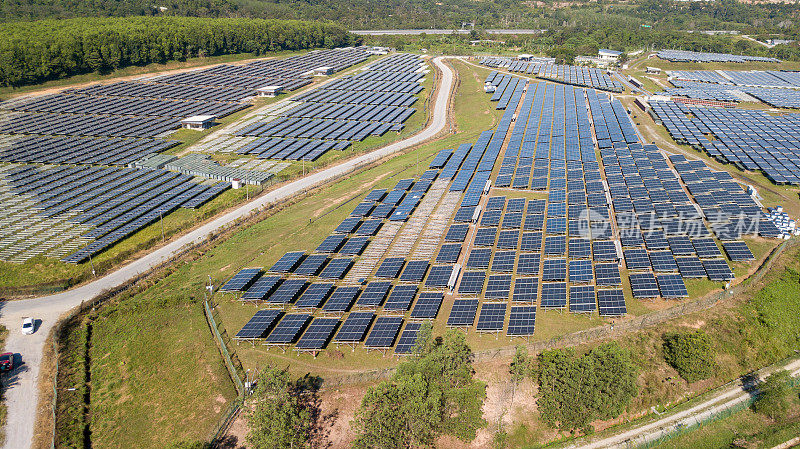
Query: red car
6,361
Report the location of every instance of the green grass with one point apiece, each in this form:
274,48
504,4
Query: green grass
155,368
744,426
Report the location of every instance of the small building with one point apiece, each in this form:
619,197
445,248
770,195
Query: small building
609,55
198,122
652,70
325,70
269,91
489,88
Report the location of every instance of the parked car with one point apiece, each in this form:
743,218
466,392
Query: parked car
6,362
28,326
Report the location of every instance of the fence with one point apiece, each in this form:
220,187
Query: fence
234,369
674,432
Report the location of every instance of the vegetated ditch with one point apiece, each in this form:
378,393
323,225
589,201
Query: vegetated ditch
73,383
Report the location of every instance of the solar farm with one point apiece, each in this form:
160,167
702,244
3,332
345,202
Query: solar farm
578,76
561,209
85,168
376,100
777,88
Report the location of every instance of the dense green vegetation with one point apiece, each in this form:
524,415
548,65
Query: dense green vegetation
33,52
576,390
690,354
431,395
282,412
774,395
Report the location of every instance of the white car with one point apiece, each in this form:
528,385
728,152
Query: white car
28,326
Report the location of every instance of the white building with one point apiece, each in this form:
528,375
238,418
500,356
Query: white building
269,91
198,122
609,55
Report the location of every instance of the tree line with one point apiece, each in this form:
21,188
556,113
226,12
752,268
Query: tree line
33,52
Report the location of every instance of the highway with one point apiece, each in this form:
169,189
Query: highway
22,392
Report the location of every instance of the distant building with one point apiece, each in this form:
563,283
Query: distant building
652,70
609,55
323,70
198,122
269,91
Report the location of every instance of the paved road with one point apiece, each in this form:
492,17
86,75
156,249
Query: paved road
21,394
701,412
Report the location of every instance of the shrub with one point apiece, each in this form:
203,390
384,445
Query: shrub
690,353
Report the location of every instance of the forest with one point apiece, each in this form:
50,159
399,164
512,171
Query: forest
33,52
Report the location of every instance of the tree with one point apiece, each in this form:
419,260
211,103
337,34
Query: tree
519,367
773,399
430,395
690,353
575,390
281,413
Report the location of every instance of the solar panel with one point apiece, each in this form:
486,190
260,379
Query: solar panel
556,226
449,253
287,262
580,271
555,245
317,334
529,263
582,299
554,295
508,239
341,299
690,267
636,259
348,225
311,265
492,317
374,294
354,246
438,276
400,299
479,258
644,285
240,280
531,241
288,291
462,313
408,339
259,324
472,282
604,251
261,288
496,203
611,303
331,244
504,261
515,205
354,327
288,329
521,321
456,233
427,305
680,245
415,271
718,270
672,286
526,289
464,214
390,267
369,227
491,217
607,274
663,261
554,270
738,251
485,237
314,295
498,286
336,269
580,249
706,248
384,332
